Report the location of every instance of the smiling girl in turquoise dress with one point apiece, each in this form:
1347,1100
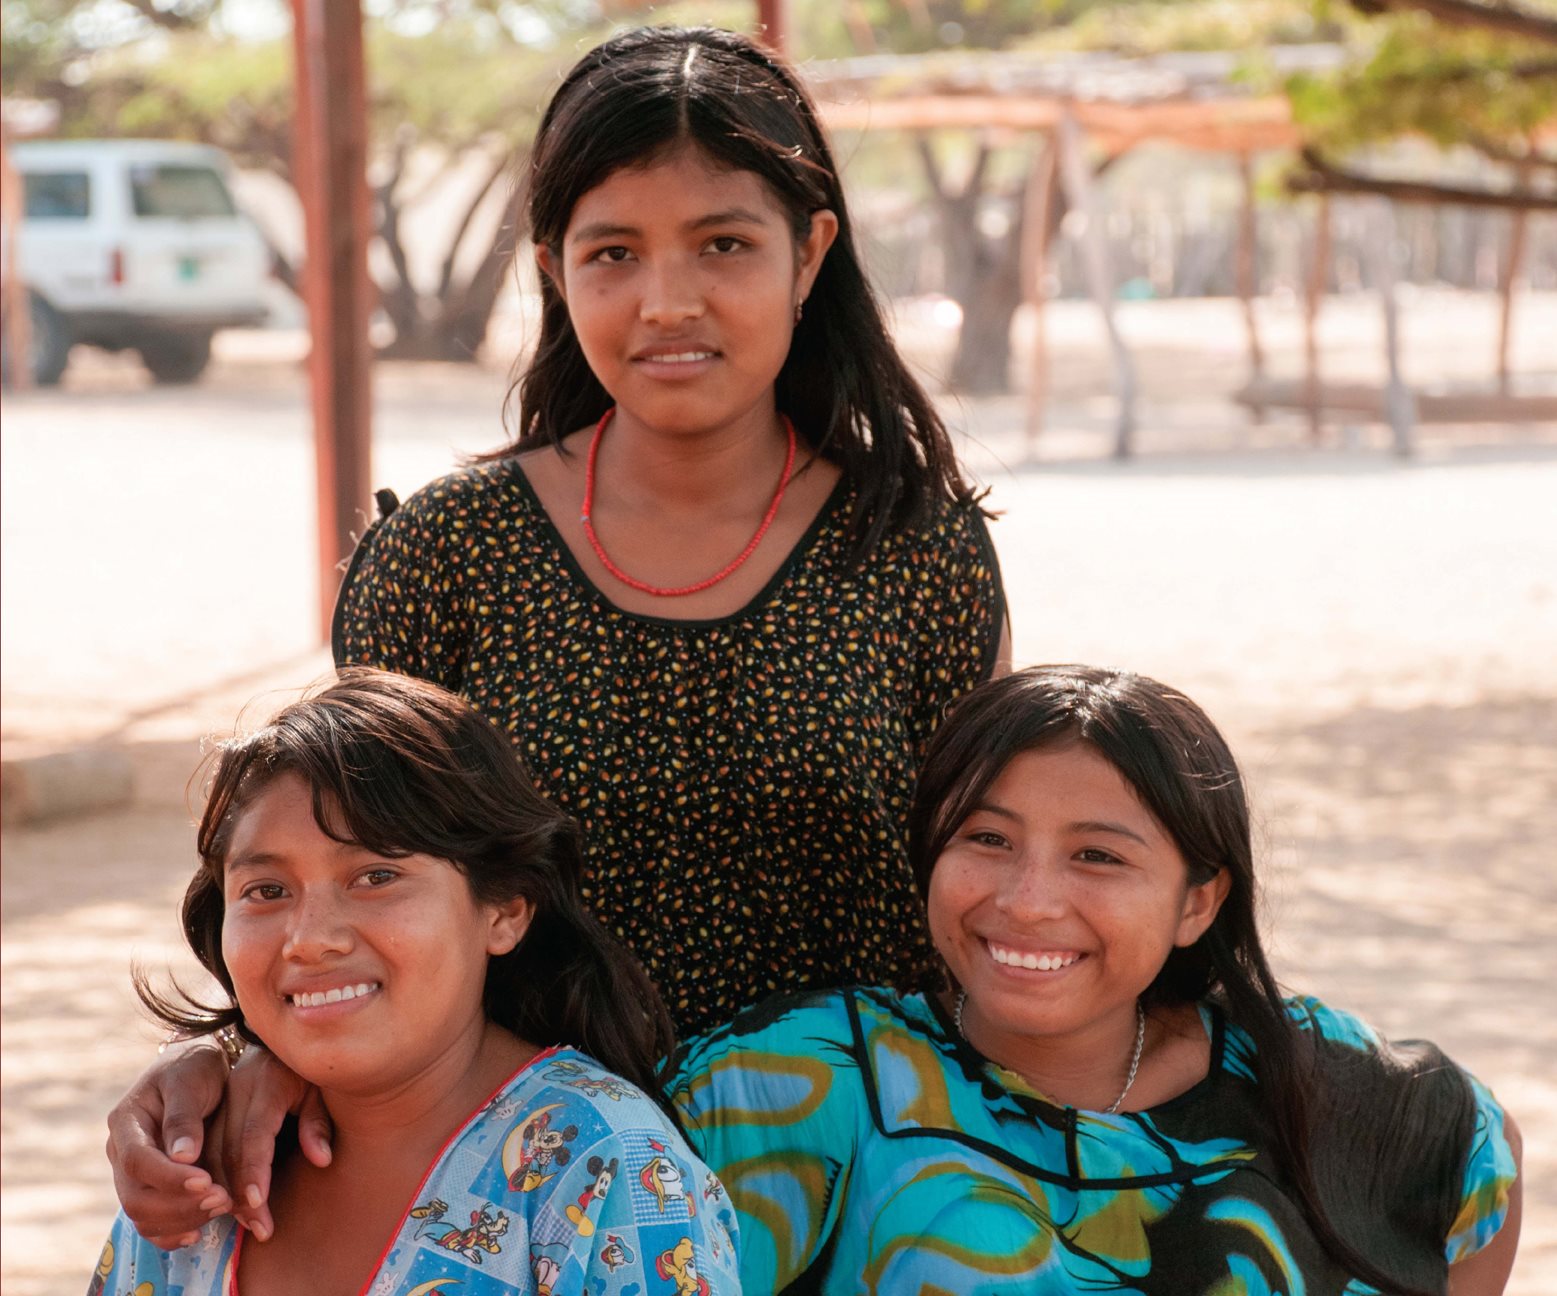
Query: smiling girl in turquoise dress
1111,1095
390,908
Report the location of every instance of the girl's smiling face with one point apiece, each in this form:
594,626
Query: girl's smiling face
681,279
1057,900
357,971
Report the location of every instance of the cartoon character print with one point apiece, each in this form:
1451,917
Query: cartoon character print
616,1253
663,1180
487,1225
570,1073
105,1266
546,1270
713,1190
604,1172
679,1264
543,1149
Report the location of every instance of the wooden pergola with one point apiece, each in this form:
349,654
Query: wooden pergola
1079,104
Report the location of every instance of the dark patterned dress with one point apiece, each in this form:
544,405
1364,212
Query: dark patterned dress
742,782
868,1149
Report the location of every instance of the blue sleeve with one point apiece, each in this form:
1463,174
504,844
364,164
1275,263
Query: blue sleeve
1489,1161
774,1104
127,1260
131,1266
1489,1175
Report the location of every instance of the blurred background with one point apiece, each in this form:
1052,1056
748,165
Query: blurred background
1245,310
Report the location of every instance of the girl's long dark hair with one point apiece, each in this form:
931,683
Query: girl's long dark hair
639,96
404,767
1344,1140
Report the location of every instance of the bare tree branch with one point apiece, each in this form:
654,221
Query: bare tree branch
496,173
399,299
1500,152
1324,177
1513,19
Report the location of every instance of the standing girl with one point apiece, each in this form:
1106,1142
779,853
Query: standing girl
728,577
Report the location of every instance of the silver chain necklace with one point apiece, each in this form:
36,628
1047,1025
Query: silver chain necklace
1135,1055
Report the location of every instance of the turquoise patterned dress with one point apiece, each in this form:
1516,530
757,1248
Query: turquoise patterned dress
566,1182
868,1148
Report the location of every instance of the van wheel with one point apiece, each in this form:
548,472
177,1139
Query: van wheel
50,342
177,358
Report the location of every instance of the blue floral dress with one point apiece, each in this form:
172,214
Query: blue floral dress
869,1149
567,1182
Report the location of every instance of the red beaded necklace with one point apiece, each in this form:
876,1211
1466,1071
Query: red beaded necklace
728,569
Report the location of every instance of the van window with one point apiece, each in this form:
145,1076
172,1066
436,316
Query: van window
56,195
183,192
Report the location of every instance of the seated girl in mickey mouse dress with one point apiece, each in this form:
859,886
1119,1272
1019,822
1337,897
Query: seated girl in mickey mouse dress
392,909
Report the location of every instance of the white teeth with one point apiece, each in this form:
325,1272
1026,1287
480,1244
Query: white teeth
336,994
683,357
1033,962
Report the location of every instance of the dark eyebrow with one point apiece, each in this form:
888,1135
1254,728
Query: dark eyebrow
252,860
1099,826
729,216
999,811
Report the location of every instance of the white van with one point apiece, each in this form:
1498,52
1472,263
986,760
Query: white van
134,244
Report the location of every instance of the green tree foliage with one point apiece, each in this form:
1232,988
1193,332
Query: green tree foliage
1416,75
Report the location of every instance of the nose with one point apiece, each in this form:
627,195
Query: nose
1033,891
318,928
672,295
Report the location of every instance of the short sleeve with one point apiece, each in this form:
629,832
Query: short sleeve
1489,1175
129,1263
127,1259
959,610
402,605
773,1102
641,1211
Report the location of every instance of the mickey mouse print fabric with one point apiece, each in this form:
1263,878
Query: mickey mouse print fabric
568,1181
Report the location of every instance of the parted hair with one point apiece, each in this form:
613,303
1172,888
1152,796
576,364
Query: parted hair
1348,1130
401,767
637,98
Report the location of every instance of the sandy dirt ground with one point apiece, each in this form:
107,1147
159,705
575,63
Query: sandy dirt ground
1378,637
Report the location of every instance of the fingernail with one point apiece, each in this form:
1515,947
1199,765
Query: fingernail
197,1183
261,1230
251,1194
212,1200
182,1147
189,1239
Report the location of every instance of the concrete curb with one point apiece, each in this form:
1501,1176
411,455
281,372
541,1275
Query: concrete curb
58,785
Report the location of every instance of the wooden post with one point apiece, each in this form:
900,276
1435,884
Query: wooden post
17,310
1399,404
1248,284
771,27
1318,275
1511,269
331,147
1037,204
1076,175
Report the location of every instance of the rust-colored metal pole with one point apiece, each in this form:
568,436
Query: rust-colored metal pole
331,159
771,28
